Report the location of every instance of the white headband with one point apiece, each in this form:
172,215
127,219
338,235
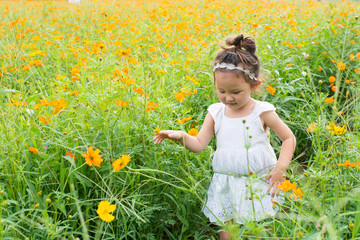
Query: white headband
233,67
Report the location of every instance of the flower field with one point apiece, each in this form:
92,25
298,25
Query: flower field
84,87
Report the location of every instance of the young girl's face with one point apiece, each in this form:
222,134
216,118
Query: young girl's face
232,90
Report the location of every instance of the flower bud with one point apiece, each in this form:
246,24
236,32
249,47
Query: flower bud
351,225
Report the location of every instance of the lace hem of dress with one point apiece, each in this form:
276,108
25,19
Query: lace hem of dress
242,199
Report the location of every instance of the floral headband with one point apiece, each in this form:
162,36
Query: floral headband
233,67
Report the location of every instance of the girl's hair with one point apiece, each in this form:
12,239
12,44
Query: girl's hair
240,53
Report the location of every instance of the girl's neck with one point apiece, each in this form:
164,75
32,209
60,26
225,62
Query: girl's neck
243,111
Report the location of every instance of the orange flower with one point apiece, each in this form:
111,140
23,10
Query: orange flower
174,62
75,71
121,162
139,90
193,132
16,103
352,57
122,103
358,55
44,120
180,96
151,106
344,164
58,105
319,69
333,88
287,185
297,194
185,119
157,130
71,155
92,157
332,79
341,66
329,100
75,93
192,79
34,150
312,127
271,90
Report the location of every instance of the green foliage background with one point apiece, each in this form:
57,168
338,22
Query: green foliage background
159,193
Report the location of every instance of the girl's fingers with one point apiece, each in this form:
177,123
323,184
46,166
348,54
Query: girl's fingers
267,178
269,189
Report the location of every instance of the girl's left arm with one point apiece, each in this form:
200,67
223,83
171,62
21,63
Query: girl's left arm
273,121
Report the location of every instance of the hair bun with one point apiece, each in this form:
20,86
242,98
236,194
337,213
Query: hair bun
241,42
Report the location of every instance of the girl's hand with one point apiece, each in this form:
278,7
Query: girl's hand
170,134
276,178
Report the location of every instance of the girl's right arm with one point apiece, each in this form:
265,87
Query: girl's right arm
194,144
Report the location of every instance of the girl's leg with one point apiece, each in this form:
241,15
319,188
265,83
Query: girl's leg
225,235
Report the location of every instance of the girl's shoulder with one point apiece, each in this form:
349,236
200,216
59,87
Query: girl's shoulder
215,109
263,106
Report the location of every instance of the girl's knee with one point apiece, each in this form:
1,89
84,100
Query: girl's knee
225,236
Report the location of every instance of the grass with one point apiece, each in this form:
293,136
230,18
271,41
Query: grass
83,59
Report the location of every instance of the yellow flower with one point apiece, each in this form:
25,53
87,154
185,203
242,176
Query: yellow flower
121,162
92,157
271,90
193,132
104,210
335,130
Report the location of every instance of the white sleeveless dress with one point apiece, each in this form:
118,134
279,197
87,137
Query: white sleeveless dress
243,158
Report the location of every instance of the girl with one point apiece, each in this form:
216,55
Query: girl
246,170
